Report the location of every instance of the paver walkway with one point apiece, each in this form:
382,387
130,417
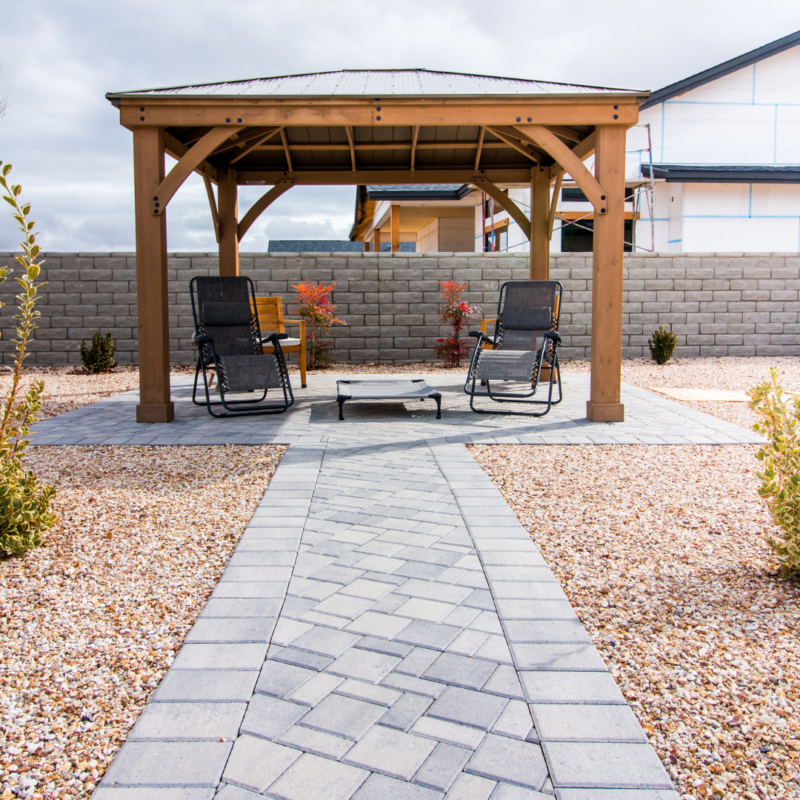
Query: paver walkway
387,630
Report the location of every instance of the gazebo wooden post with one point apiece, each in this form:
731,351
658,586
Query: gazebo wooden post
376,240
228,213
609,230
540,223
155,404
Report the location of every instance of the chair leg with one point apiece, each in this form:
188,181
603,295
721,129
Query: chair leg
303,364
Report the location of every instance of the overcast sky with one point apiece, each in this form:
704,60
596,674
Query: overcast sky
74,160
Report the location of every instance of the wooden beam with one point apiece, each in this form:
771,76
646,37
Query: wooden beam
554,204
366,246
570,162
566,133
262,204
381,177
193,112
607,267
586,147
155,403
540,209
228,224
414,146
286,148
390,146
525,150
252,145
504,201
212,201
240,140
376,240
395,223
352,145
479,149
186,166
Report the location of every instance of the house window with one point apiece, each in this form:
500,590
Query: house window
573,195
575,239
497,242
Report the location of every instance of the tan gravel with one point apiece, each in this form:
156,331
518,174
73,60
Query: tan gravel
90,622
733,373
662,552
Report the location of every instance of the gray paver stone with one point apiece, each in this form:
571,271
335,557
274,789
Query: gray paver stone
325,641
365,665
381,787
468,707
390,752
315,777
256,763
270,717
150,793
443,767
311,741
206,685
571,687
469,673
189,722
428,634
471,787
281,679
606,765
168,764
587,723
344,716
406,711
503,759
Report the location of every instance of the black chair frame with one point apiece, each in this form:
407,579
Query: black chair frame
546,359
208,362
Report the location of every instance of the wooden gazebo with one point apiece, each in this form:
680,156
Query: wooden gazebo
370,128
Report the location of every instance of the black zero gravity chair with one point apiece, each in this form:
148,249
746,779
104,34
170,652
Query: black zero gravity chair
228,340
523,350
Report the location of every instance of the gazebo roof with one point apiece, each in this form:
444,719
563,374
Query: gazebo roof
379,83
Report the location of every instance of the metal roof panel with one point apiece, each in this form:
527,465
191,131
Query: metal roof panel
376,84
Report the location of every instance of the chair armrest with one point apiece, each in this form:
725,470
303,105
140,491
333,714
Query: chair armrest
480,335
274,337
553,336
301,323
487,322
198,340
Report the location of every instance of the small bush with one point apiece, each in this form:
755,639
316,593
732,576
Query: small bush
780,482
25,505
100,356
662,345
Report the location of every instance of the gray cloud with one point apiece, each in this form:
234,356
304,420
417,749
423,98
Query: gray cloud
74,160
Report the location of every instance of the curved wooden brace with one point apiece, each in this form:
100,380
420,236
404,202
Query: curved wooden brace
189,163
551,215
502,199
551,144
261,205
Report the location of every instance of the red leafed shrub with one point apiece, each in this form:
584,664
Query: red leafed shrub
314,305
455,312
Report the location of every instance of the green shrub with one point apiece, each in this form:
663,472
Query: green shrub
25,505
662,345
100,356
780,480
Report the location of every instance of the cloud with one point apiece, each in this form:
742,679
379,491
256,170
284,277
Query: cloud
74,160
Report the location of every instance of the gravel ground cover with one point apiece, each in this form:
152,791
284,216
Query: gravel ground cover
90,622
662,552
731,373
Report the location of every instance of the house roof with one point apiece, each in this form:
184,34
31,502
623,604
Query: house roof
723,173
328,246
444,191
721,70
378,83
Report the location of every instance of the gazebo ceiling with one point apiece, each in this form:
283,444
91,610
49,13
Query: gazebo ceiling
325,127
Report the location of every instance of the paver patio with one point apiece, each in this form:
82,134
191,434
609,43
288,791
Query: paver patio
386,627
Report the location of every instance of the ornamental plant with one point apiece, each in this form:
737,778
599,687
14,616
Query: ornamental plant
315,307
100,356
779,421
662,345
25,505
455,312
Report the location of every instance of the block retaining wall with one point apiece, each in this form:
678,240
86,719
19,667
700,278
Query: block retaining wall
718,304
